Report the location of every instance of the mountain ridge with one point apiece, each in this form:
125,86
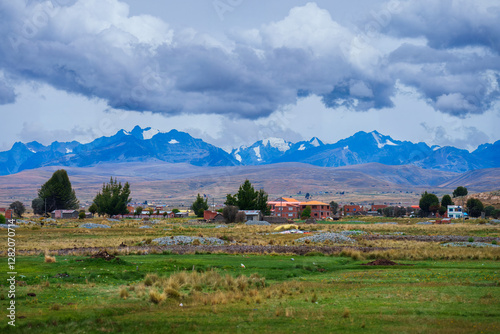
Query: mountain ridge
148,144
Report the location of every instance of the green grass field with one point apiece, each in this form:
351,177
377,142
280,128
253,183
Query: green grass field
437,290
316,294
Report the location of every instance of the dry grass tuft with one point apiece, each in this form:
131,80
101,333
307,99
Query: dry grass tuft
49,259
124,293
346,314
156,297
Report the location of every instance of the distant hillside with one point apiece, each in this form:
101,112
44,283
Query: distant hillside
179,183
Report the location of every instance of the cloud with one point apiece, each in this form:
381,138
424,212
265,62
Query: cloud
95,48
7,93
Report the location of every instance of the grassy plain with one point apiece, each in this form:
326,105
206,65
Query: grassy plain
439,289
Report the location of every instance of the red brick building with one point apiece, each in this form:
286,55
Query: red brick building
318,209
352,209
289,211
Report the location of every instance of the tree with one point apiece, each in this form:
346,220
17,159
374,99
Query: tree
18,208
306,213
427,201
489,210
334,207
460,192
57,193
474,207
199,206
113,198
2,219
93,208
81,215
38,206
150,211
262,203
445,201
138,210
229,213
176,210
248,199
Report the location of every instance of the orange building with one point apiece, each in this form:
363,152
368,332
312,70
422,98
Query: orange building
291,208
318,209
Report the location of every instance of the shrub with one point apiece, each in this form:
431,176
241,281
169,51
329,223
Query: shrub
471,239
81,215
150,279
123,293
49,259
156,297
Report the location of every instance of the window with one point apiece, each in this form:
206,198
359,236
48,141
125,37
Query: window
290,208
290,215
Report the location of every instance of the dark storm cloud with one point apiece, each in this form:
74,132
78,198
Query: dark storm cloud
94,48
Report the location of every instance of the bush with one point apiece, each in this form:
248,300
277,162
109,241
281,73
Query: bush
471,239
240,217
81,215
2,219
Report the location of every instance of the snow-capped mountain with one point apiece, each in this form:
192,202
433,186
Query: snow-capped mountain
137,145
180,147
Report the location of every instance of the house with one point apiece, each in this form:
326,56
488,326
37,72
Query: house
350,210
181,215
286,210
454,211
252,215
8,214
319,210
291,208
209,214
377,207
64,214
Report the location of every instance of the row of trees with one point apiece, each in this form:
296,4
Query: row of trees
429,203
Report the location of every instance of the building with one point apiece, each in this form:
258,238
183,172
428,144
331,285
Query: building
319,210
286,210
64,214
350,210
291,208
376,207
252,215
454,211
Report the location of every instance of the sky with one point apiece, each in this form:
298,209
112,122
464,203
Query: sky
236,71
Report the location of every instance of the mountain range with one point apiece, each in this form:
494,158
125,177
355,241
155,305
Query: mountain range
140,145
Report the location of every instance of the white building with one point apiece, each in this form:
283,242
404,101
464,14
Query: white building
455,211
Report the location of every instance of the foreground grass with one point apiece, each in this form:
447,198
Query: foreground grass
317,294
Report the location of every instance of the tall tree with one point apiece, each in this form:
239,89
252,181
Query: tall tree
248,199
18,208
199,206
446,200
57,193
334,207
460,192
113,198
38,206
428,203
474,207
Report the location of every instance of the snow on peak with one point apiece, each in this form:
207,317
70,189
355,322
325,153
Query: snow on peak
302,147
126,132
173,141
68,151
32,150
238,157
346,147
149,133
314,142
377,136
257,153
278,143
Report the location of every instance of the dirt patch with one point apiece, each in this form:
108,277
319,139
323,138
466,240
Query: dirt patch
104,255
384,262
